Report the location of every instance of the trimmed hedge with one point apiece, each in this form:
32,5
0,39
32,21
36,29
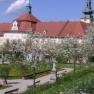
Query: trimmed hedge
19,70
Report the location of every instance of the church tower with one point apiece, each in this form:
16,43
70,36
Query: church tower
27,22
88,12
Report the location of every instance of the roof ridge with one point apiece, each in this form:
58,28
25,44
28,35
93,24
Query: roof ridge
62,29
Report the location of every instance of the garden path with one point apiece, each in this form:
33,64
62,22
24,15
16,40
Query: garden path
23,84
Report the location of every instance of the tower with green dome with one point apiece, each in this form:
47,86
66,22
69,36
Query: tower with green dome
88,12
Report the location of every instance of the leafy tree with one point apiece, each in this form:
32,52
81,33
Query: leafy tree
13,51
73,50
89,41
4,72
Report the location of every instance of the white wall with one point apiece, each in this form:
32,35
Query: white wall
2,40
15,36
86,21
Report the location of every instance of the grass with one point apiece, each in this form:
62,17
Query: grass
60,66
66,83
85,86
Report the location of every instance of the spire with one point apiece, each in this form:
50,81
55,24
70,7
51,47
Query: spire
28,6
88,2
88,12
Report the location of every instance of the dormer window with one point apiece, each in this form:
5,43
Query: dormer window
14,25
44,32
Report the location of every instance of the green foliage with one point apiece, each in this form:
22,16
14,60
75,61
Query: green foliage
13,70
4,71
60,66
91,58
18,70
85,86
43,66
67,83
61,58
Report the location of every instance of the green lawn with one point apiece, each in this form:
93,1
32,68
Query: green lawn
60,66
66,83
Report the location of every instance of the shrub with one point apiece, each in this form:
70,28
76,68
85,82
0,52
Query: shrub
4,71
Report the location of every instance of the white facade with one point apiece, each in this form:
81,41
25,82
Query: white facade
15,36
2,40
86,20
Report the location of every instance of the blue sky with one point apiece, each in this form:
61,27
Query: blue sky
46,10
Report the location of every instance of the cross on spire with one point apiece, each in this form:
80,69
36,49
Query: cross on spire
28,6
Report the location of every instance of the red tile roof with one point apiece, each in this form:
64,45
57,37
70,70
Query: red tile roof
62,29
27,17
5,27
51,28
77,29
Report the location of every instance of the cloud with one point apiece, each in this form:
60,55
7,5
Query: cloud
18,4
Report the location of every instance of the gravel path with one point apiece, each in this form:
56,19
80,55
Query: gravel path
23,84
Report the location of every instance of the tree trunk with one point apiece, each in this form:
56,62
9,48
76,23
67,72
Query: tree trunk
3,81
34,77
75,64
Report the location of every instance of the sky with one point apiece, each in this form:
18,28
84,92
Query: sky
44,10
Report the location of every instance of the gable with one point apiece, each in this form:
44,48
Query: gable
14,25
